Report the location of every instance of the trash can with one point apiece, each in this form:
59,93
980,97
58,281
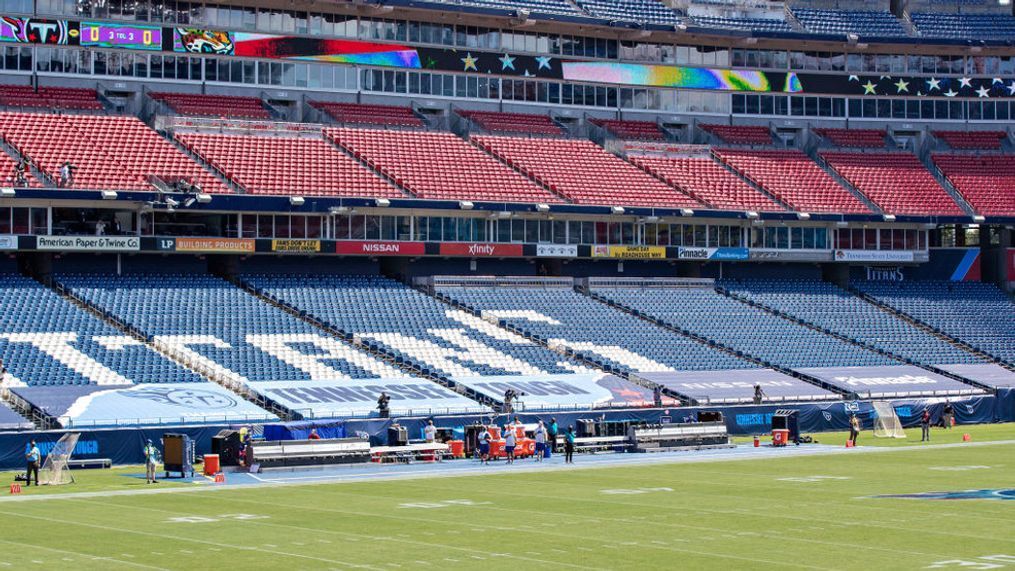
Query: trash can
211,464
780,436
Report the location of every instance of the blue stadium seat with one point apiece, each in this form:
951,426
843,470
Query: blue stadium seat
647,11
979,314
965,26
565,317
864,23
746,24
745,328
839,311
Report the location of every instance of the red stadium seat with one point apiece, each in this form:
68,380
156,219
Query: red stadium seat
792,177
632,130
380,115
513,123
287,165
987,182
708,181
985,140
897,182
214,105
740,134
440,166
584,172
855,138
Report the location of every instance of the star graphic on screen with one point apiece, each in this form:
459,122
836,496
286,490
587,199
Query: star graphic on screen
901,86
965,82
933,84
470,62
430,63
1011,88
544,61
507,62
868,88
950,93
983,92
854,78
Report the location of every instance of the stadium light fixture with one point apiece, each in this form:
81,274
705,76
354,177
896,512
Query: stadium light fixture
686,212
852,38
338,209
7,192
108,195
504,214
842,224
203,198
189,202
541,207
382,202
617,209
803,215
170,203
752,215
296,200
979,219
466,205
651,219
889,217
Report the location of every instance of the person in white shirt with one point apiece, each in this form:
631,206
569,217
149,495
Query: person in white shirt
540,441
509,443
430,432
484,445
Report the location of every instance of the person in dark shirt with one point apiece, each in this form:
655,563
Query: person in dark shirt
759,394
382,404
925,426
948,415
569,446
854,428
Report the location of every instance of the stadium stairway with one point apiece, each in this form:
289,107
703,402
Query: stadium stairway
884,306
373,350
714,344
859,343
813,154
946,184
168,352
228,182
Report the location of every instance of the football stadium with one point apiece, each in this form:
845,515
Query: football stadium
507,284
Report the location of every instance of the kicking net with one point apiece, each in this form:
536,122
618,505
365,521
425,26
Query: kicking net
54,471
886,421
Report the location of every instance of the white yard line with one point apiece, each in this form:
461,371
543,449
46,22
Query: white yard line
80,554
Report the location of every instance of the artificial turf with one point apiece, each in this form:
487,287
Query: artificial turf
791,512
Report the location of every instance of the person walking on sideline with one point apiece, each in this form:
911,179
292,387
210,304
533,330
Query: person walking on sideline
925,426
510,440
484,445
540,435
948,415
32,459
151,460
569,446
854,428
552,433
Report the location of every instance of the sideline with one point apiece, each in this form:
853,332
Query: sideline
466,468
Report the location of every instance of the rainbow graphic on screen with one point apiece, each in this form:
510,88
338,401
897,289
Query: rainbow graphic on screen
324,50
673,76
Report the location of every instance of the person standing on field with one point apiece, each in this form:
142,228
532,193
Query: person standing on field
569,446
925,426
540,435
854,428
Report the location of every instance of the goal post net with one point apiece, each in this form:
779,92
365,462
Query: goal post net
886,421
54,471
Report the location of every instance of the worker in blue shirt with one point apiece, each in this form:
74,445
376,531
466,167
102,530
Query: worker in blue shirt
569,445
32,457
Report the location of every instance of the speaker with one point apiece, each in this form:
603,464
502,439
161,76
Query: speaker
709,416
398,436
178,453
227,445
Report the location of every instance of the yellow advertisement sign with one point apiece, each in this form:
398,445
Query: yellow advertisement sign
296,246
238,245
630,252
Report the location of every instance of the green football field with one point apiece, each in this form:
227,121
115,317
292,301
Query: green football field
814,512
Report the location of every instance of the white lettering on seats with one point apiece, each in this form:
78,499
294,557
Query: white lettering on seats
58,346
280,346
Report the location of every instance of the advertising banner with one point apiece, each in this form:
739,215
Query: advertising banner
872,256
8,242
93,405
89,243
557,250
736,385
552,391
630,252
223,245
347,398
479,250
296,246
713,254
381,248
773,255
39,31
899,380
